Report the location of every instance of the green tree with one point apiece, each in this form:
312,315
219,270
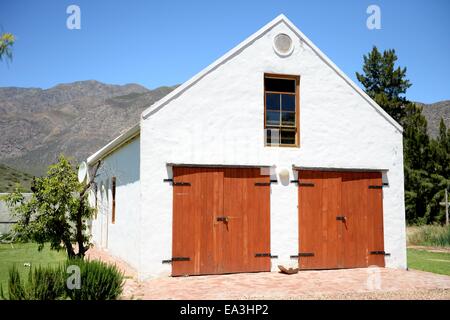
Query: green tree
426,160
440,155
6,42
57,211
416,156
384,83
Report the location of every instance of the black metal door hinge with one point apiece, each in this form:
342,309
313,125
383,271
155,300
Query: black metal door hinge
380,252
174,259
384,184
181,183
303,184
265,183
303,254
259,255
177,183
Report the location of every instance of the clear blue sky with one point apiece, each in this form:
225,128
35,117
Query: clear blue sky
156,43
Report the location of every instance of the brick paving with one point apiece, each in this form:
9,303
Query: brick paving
381,283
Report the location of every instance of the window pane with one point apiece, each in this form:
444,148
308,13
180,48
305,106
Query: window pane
273,118
280,85
288,102
288,118
272,136
287,136
273,101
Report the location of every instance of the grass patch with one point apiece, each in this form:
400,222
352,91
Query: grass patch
26,253
429,235
436,262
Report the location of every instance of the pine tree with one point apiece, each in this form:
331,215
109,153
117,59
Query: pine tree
426,160
416,157
385,84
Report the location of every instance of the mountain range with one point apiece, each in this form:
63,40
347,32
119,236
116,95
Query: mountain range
433,113
76,119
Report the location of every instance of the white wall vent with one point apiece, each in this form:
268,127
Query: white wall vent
282,44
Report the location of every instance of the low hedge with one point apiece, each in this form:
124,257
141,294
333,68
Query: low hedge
98,281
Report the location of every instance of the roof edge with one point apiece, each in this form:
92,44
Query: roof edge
114,144
280,18
198,76
342,74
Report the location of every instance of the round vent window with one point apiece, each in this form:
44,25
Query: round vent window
282,44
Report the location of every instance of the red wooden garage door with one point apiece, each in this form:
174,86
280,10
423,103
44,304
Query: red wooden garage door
340,220
221,221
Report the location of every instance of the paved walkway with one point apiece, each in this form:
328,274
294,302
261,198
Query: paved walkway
380,283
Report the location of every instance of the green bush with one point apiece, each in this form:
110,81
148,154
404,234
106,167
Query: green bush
42,284
430,235
99,281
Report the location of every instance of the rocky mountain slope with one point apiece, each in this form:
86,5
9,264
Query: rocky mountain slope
76,119
433,113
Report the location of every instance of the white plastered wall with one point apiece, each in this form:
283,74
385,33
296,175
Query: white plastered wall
219,120
120,239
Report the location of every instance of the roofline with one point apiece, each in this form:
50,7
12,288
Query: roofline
236,50
113,145
135,130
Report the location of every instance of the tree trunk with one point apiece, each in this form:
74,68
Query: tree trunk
79,221
69,249
79,227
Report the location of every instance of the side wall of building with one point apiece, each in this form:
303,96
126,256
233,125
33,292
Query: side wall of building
120,238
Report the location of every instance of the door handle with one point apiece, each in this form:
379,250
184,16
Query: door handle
341,218
223,219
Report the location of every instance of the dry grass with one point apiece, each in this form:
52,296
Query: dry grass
429,235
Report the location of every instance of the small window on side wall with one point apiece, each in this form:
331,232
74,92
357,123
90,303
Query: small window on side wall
281,110
113,191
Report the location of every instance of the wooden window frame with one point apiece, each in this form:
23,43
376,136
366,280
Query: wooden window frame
96,200
297,109
113,192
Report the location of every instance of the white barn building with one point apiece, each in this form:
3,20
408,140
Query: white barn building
269,156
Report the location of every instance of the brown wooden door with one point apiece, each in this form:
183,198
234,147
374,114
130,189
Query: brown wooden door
319,204
375,219
247,232
354,208
220,220
340,219
195,207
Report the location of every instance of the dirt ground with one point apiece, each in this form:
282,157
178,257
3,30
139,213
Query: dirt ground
379,283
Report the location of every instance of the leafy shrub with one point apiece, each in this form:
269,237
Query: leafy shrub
430,235
42,284
99,281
